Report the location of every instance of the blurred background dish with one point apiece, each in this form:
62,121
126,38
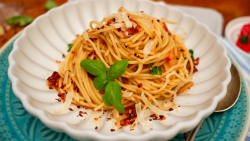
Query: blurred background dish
233,30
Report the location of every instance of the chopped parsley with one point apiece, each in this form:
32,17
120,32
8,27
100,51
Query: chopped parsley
154,70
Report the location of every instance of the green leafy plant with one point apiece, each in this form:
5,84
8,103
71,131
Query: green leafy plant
154,70
70,46
113,94
50,4
19,20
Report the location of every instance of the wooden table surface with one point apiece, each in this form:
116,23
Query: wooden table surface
230,9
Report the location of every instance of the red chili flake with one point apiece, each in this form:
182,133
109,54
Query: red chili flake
57,61
171,100
53,80
77,35
108,119
123,21
166,28
128,107
150,119
135,97
62,96
85,107
58,99
115,123
96,118
179,106
196,61
158,20
141,84
171,109
62,86
168,59
154,117
71,109
73,52
195,69
138,56
132,129
76,89
132,31
103,27
112,130
105,110
96,127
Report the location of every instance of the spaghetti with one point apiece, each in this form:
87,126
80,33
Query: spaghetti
143,40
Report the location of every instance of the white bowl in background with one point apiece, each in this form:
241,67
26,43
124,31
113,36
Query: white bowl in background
33,59
232,31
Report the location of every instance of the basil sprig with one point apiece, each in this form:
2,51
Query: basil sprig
94,67
19,20
116,71
154,70
191,53
113,94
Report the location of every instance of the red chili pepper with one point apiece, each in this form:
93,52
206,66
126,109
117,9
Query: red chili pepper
243,41
168,59
196,61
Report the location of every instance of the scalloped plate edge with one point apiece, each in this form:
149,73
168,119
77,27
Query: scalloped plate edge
245,132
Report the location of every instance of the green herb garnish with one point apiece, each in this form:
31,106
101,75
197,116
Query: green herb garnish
184,56
50,4
19,20
113,94
191,53
244,39
70,46
117,69
154,70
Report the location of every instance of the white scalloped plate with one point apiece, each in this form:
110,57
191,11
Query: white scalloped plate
45,40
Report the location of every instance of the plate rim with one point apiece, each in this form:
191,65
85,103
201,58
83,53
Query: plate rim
59,126
248,91
238,66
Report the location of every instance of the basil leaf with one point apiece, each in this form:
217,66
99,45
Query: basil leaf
117,69
101,81
70,46
19,20
155,70
244,39
94,67
114,95
105,100
191,53
50,4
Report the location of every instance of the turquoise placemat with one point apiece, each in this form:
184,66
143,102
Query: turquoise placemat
16,124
